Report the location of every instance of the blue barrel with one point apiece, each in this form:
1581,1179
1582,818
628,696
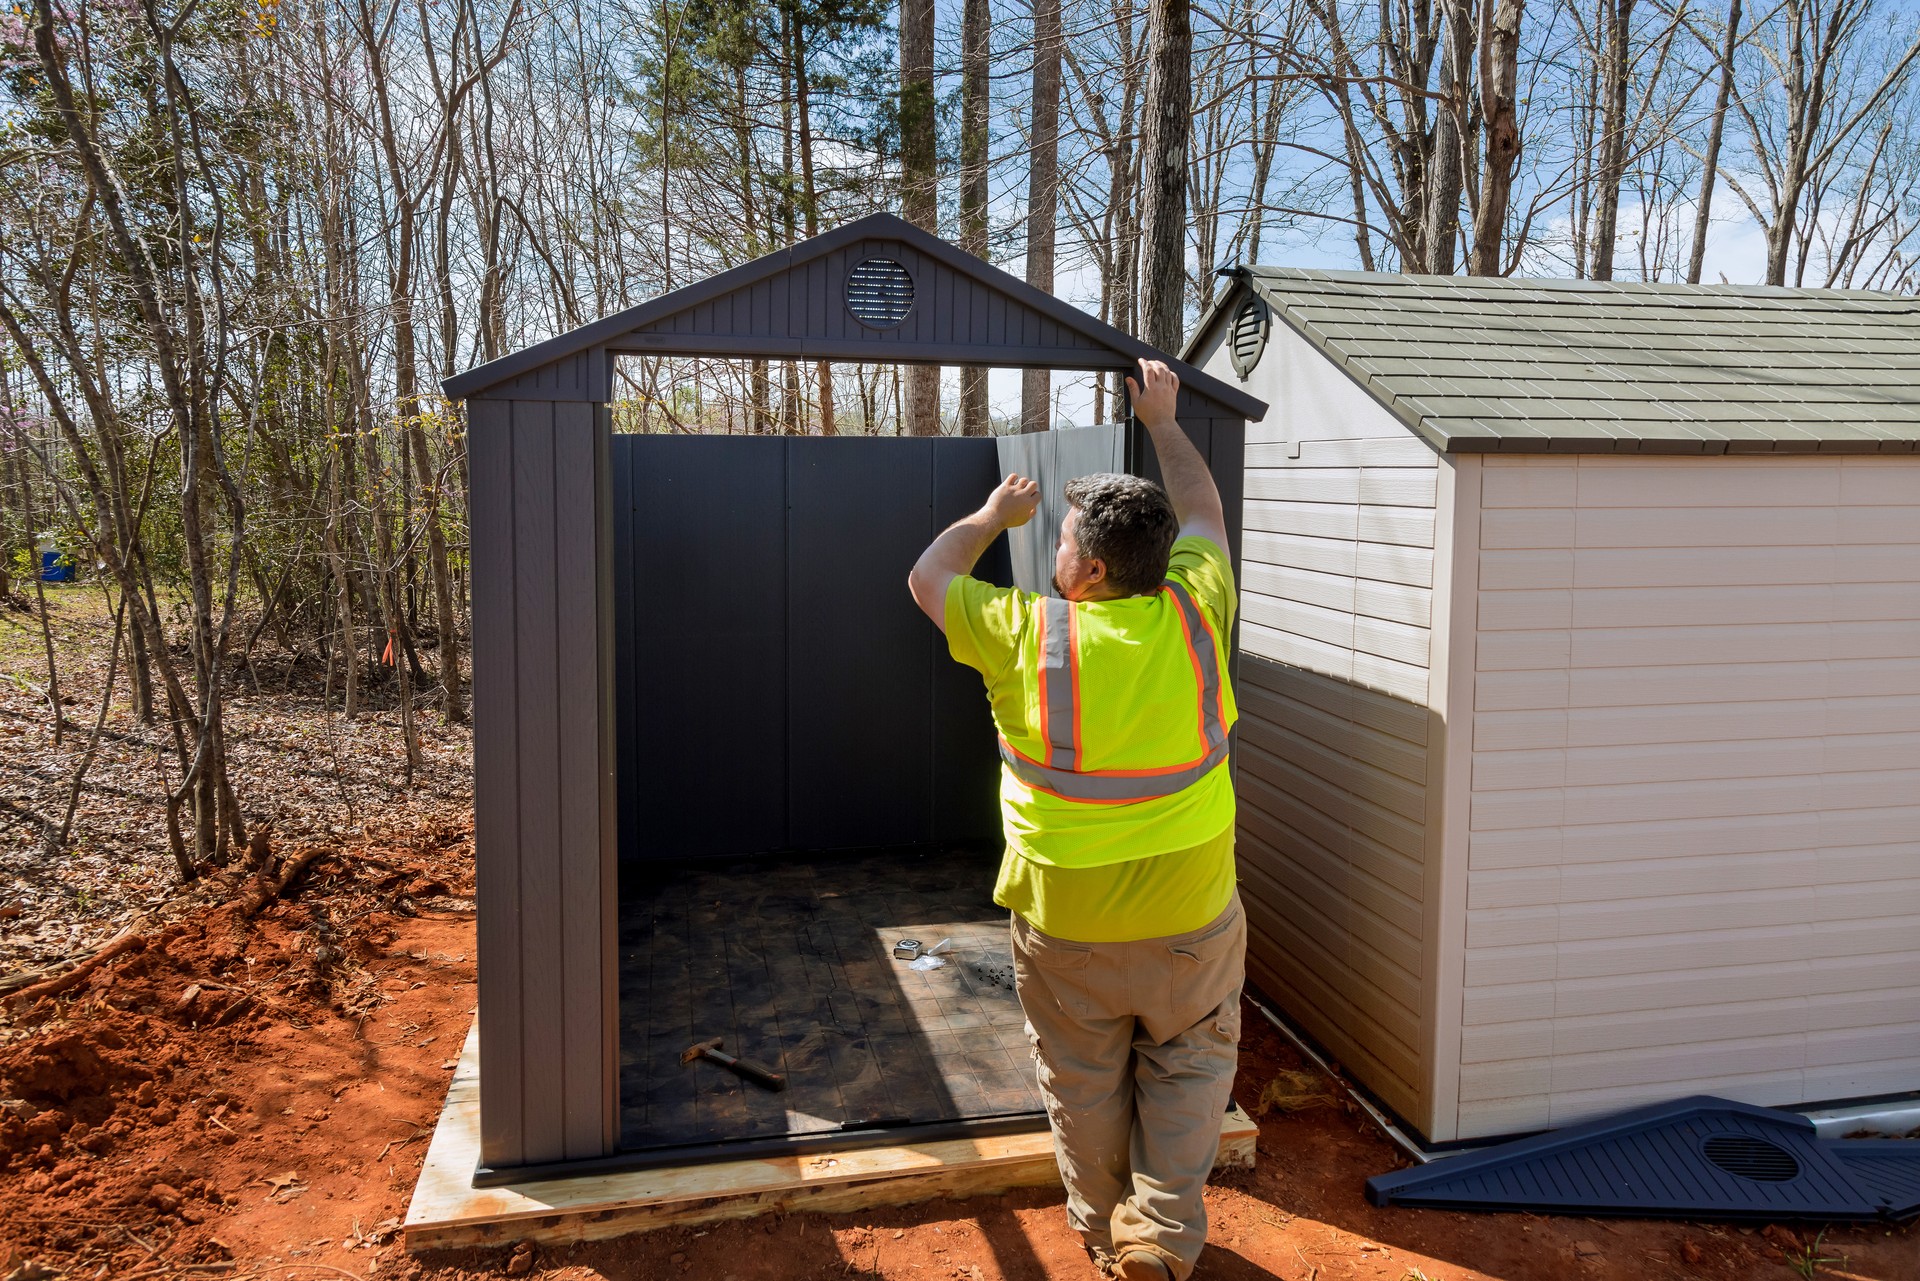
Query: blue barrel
56,567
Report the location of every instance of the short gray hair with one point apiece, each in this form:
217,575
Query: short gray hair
1128,522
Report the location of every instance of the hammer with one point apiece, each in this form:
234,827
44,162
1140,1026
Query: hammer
739,1067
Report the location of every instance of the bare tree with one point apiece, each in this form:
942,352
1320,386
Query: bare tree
919,178
976,28
1043,193
1163,220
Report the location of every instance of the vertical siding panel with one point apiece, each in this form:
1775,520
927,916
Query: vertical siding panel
819,287
496,779
779,323
537,679
577,667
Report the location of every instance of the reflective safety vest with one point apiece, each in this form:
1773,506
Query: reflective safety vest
1126,737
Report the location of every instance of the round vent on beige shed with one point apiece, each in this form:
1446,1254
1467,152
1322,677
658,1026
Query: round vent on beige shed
879,293
1249,336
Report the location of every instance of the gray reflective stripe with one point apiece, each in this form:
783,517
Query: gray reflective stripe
1109,787
1057,775
1203,653
1056,661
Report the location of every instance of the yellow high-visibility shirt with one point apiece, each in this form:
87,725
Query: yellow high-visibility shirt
1137,681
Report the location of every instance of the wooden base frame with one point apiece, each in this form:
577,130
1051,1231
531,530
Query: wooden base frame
448,1212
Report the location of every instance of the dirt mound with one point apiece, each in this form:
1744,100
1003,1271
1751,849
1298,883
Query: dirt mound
159,1106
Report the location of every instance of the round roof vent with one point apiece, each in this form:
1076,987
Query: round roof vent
879,293
1249,335
1746,1156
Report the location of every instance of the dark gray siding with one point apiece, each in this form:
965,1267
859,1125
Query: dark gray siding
543,777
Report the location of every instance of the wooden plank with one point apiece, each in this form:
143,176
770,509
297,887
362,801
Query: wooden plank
447,1212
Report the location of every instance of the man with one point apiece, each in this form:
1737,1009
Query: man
1129,943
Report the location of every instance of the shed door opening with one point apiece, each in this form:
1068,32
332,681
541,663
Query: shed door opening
806,778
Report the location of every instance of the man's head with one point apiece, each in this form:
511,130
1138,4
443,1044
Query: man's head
1116,539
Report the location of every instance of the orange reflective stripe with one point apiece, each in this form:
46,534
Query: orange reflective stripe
1059,696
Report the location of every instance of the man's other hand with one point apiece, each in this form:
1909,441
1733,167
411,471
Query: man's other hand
1013,501
1155,395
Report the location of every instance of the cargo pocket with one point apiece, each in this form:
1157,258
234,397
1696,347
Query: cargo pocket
1055,966
1203,969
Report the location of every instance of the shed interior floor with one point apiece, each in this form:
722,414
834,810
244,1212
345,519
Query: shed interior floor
788,958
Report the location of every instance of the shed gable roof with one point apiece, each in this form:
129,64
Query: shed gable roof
792,304
1478,364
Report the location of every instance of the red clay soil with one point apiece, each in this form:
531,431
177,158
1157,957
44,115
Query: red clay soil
249,1098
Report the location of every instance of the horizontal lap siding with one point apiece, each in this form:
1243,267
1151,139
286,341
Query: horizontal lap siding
1694,855
1336,602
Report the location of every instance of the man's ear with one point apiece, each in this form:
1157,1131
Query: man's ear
1096,571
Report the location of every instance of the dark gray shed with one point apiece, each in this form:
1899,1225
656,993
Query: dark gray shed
637,709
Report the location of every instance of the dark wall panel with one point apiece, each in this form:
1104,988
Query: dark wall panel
860,729
707,589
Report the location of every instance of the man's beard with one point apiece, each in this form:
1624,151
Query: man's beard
1058,590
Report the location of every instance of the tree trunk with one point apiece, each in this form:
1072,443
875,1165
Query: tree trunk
1163,234
1617,16
823,370
919,193
1710,161
975,31
1043,196
1439,233
1499,105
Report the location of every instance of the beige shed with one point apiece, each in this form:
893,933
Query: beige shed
1580,670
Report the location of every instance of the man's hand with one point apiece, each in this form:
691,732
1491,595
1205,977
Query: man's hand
1013,501
1010,505
1155,395
1196,501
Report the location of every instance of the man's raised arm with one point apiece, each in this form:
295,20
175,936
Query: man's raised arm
957,550
1196,501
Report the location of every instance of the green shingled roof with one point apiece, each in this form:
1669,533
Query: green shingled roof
1483,364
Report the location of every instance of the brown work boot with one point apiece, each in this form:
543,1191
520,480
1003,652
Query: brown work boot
1141,1265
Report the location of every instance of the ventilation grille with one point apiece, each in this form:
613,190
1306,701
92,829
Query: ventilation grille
1747,1157
1249,336
879,293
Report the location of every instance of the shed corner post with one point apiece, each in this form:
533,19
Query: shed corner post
1449,793
545,767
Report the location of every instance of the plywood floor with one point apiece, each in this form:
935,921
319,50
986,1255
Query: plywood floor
790,961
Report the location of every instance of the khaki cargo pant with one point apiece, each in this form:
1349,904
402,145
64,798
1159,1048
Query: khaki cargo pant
1137,1044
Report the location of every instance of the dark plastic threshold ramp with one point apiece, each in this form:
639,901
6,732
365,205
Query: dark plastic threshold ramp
866,1136
1696,1158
